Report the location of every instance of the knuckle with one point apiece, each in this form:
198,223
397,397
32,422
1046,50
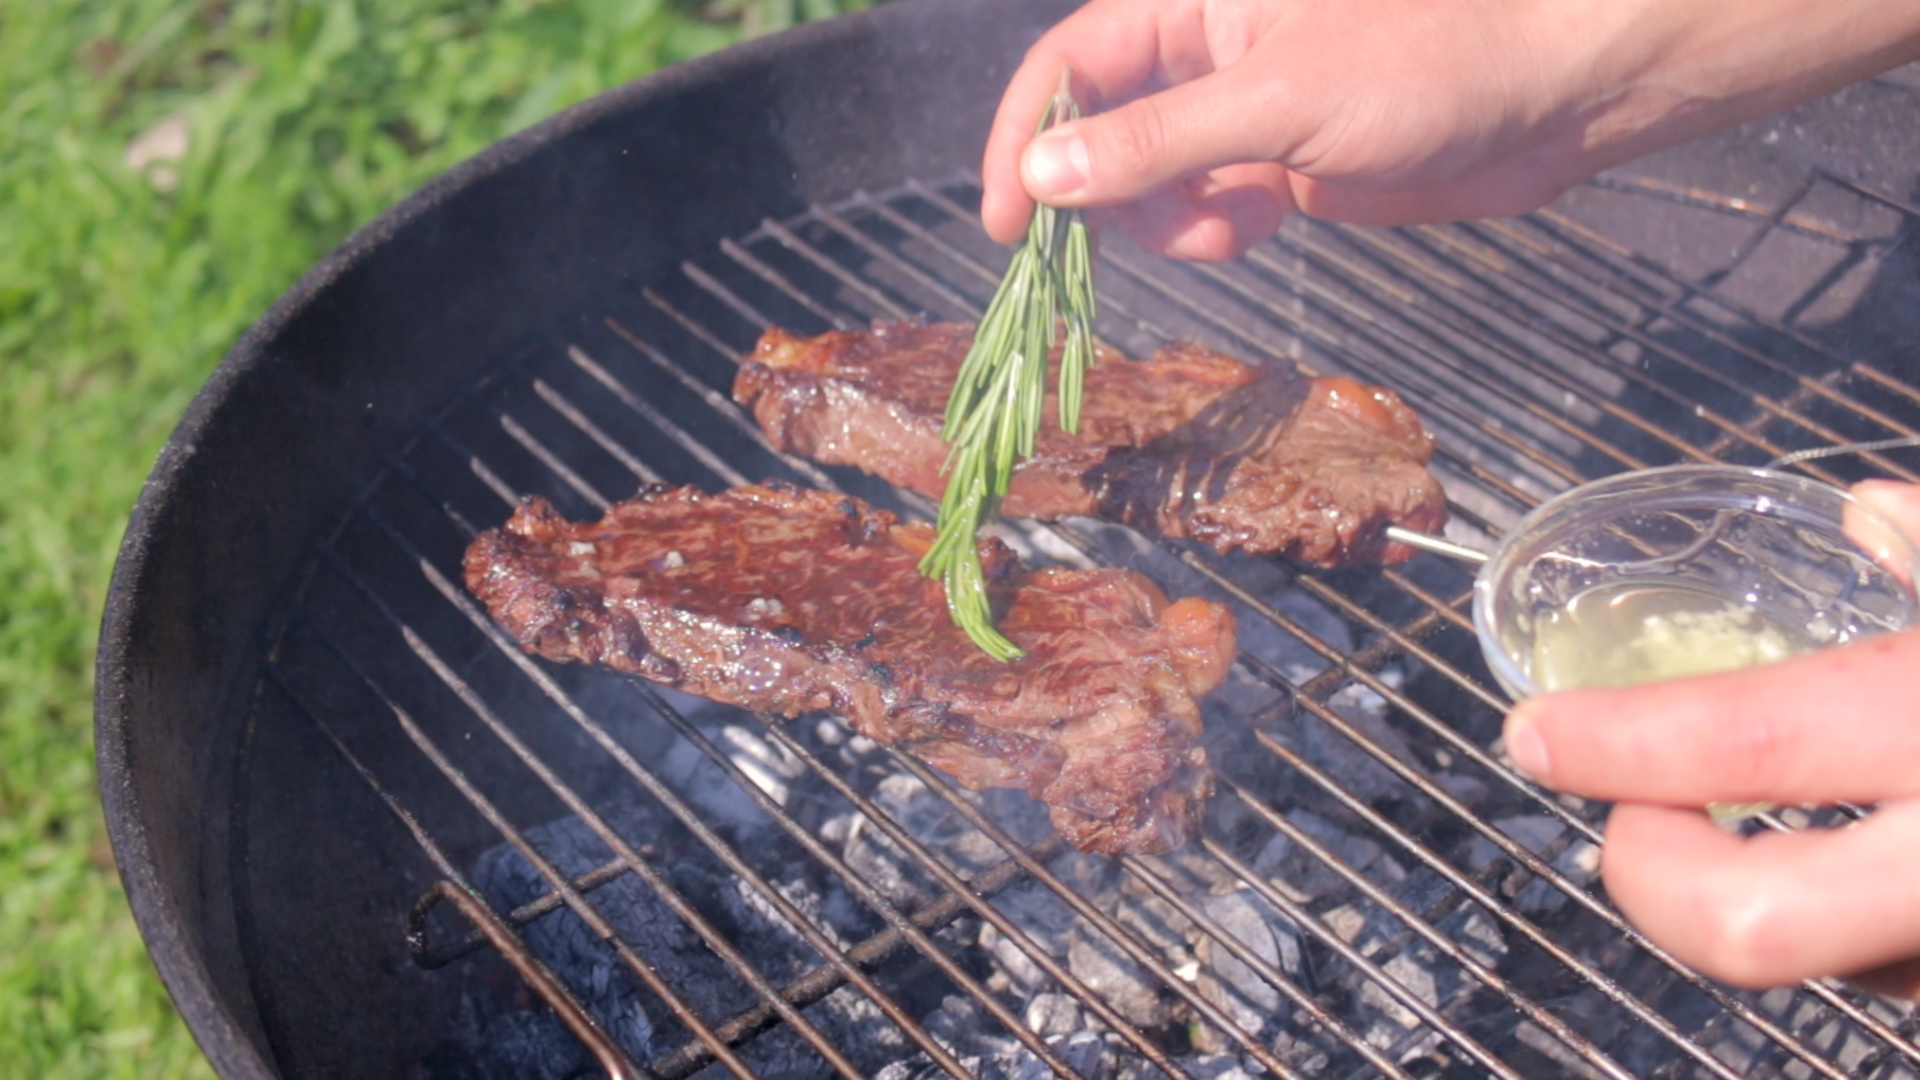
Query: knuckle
1134,145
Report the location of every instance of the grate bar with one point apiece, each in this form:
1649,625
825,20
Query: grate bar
900,923
1431,722
846,967
1541,869
1020,855
552,990
1119,935
1477,318
556,880
675,901
542,979
1485,975
1696,325
1432,292
698,449
824,979
552,461
593,431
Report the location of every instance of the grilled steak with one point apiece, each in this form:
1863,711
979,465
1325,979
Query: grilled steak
783,600
1189,444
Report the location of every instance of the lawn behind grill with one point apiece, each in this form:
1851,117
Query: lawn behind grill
121,287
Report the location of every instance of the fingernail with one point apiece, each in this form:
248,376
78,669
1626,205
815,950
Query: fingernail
1057,165
1526,746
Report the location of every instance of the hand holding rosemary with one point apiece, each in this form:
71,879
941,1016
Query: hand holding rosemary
999,397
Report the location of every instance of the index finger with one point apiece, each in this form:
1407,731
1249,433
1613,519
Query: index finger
1839,724
1114,47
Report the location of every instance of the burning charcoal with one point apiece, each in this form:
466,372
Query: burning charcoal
1580,862
1089,1054
1536,833
1215,1067
578,955
960,1025
1477,932
1049,1015
772,768
614,994
1421,890
1348,762
1389,1021
1107,970
935,823
879,861
1043,917
1228,981
1307,1057
700,782
1303,877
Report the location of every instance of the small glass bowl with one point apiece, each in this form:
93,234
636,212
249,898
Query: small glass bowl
1792,559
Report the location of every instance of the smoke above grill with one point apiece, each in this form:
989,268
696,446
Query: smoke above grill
676,888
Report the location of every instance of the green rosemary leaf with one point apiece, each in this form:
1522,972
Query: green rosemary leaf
998,403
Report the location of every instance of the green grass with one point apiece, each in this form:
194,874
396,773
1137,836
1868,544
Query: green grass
119,291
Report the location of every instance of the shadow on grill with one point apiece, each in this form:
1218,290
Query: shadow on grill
637,882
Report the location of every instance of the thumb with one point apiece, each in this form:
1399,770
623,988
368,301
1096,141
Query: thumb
1120,156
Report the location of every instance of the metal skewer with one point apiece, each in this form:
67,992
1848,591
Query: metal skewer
1436,545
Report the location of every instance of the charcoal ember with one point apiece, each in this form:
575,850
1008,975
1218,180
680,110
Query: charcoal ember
1088,1053
1477,932
1248,999
1538,834
883,864
1387,1020
1301,875
1355,767
524,1037
1047,922
935,823
1110,972
1049,1015
1215,1067
966,1030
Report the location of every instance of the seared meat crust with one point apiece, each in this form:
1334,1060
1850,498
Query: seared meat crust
785,601
1188,444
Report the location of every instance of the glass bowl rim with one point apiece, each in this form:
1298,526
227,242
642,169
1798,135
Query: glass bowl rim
1507,672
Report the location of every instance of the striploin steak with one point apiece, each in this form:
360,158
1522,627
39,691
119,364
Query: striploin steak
1188,444
784,600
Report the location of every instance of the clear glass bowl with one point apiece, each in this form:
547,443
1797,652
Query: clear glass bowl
1685,570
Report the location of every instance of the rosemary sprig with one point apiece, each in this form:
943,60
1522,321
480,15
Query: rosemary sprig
999,397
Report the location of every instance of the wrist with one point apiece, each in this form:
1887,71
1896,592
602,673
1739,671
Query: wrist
1647,74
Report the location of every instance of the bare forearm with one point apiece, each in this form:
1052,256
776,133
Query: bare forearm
1663,72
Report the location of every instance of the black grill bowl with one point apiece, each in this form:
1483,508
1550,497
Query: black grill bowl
605,196
250,674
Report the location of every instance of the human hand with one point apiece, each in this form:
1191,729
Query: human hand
1837,725
1224,116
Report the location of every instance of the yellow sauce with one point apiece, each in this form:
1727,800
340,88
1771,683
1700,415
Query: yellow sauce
1627,633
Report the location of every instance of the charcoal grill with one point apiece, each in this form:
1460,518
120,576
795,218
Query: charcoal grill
365,836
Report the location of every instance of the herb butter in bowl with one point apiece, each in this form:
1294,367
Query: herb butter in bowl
1687,570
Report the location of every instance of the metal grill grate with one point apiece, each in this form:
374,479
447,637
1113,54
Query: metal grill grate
1417,908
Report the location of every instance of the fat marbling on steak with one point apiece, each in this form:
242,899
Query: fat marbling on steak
784,600
1188,444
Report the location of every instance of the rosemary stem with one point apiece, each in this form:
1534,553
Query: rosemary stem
998,402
